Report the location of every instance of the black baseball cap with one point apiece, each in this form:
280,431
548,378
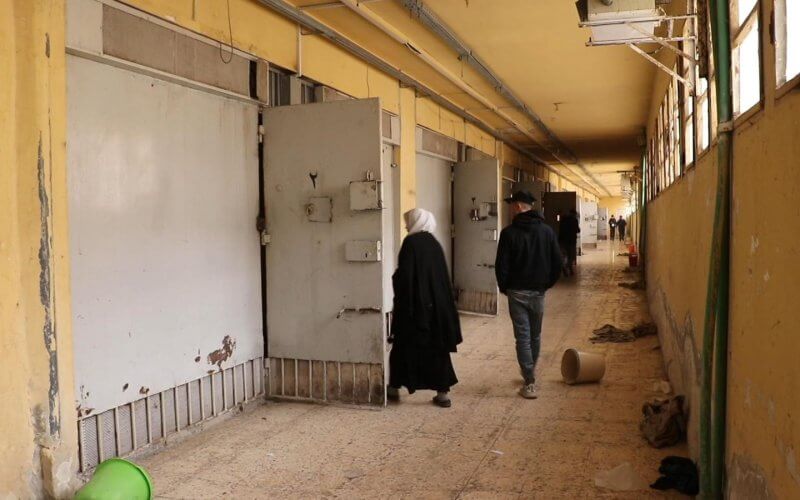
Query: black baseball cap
521,197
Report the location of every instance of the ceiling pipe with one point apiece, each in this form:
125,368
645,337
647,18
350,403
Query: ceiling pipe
310,23
403,39
432,22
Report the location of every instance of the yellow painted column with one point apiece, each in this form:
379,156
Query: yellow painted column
408,152
39,445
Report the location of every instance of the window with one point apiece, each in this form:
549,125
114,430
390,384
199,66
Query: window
689,72
278,87
306,92
703,125
787,40
746,54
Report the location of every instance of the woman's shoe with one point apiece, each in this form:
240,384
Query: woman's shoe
442,400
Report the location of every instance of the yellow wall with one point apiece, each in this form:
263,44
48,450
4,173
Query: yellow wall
763,433
38,448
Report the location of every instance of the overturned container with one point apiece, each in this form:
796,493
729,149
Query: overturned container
579,367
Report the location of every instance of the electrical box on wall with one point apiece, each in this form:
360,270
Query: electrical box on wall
320,209
363,251
366,195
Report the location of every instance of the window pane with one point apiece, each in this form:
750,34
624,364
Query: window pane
792,39
703,124
749,72
689,142
745,7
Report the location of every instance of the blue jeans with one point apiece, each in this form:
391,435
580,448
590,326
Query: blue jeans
527,309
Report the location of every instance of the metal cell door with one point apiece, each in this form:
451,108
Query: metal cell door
477,227
326,310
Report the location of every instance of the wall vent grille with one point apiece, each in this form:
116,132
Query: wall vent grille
133,426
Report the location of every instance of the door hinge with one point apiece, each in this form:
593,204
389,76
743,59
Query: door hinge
266,238
261,134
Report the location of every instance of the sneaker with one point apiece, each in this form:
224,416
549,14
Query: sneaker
442,401
528,391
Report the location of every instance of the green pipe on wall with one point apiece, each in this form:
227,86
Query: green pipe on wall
715,327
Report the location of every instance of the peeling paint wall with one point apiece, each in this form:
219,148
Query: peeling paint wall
763,415
38,448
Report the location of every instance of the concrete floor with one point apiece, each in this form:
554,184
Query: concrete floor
490,444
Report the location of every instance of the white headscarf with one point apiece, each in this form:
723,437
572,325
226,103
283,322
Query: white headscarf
419,220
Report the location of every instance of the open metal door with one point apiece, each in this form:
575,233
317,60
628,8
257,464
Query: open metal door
477,226
326,310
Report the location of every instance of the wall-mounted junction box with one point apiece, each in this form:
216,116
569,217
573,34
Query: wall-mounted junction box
363,251
366,195
320,209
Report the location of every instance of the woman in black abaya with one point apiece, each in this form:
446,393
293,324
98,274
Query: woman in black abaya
425,324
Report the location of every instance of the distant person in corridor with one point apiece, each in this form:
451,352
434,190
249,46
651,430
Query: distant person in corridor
425,323
621,224
568,230
612,226
528,264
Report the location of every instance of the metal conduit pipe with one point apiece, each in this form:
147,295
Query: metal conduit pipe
714,386
403,39
298,16
433,23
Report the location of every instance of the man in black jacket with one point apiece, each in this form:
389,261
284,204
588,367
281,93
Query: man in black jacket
528,264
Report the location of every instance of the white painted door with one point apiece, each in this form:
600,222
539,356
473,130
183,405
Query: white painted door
163,192
326,306
434,194
477,228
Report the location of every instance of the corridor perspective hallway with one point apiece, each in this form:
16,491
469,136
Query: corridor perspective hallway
490,444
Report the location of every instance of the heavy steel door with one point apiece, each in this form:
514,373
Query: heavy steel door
434,193
477,227
326,307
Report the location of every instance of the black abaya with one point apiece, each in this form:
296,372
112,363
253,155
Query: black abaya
425,324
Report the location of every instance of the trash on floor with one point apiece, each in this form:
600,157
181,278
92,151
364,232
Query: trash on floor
610,333
664,422
678,473
662,386
117,478
578,367
621,478
353,474
633,285
623,254
498,453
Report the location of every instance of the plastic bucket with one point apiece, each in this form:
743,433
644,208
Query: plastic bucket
578,367
633,260
117,479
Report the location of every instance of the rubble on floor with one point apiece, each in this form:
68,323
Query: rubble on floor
678,473
633,285
664,422
621,478
610,333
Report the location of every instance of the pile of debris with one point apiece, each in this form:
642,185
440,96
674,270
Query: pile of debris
610,333
633,285
664,422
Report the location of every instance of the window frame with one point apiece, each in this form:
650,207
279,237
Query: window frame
740,31
779,27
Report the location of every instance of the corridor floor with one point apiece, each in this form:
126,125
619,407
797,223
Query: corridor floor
490,444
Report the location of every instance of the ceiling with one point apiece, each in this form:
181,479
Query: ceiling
595,99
